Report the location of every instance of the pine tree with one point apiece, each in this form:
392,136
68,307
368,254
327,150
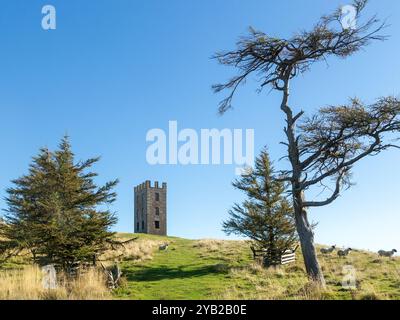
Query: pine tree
57,212
266,217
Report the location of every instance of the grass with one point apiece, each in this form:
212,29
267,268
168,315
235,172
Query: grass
184,271
209,269
26,284
215,269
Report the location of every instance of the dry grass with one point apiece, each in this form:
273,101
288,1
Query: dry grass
139,250
230,253
275,283
211,245
216,269
221,248
26,284
375,279
257,283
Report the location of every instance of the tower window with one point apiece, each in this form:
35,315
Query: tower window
142,225
157,196
157,224
157,211
137,226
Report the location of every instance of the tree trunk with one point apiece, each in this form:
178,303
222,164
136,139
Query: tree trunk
304,229
306,235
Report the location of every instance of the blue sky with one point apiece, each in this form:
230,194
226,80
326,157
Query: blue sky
115,69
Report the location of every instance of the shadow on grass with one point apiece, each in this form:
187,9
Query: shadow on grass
161,273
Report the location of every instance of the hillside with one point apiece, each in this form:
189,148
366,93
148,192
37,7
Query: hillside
205,269
212,269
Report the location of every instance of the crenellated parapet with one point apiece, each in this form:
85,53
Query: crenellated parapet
148,185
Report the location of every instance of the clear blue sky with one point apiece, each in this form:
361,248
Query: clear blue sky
115,69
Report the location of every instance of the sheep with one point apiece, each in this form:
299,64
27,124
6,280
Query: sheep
164,247
389,254
344,253
328,250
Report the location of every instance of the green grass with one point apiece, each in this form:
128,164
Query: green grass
205,269
225,270
181,272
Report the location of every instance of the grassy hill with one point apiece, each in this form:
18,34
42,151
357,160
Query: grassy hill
215,269
206,269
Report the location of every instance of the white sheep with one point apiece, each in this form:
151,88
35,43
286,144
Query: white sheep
328,250
164,247
344,253
389,254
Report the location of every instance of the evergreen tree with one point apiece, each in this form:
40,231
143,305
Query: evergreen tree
57,211
266,217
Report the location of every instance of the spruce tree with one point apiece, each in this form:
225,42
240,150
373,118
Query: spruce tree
57,212
266,217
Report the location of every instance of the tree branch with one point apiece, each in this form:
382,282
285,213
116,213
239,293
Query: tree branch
332,198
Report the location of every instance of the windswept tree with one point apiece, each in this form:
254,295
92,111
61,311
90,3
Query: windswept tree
57,212
266,217
321,149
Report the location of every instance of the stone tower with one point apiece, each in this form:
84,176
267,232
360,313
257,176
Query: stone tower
151,208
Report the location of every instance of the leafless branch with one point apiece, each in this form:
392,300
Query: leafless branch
274,60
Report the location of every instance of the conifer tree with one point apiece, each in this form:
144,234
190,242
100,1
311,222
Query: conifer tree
266,217
57,212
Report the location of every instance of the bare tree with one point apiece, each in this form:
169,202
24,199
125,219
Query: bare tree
323,148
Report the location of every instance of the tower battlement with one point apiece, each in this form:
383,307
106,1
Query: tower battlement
147,185
151,208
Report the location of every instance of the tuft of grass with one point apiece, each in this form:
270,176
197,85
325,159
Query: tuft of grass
140,250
